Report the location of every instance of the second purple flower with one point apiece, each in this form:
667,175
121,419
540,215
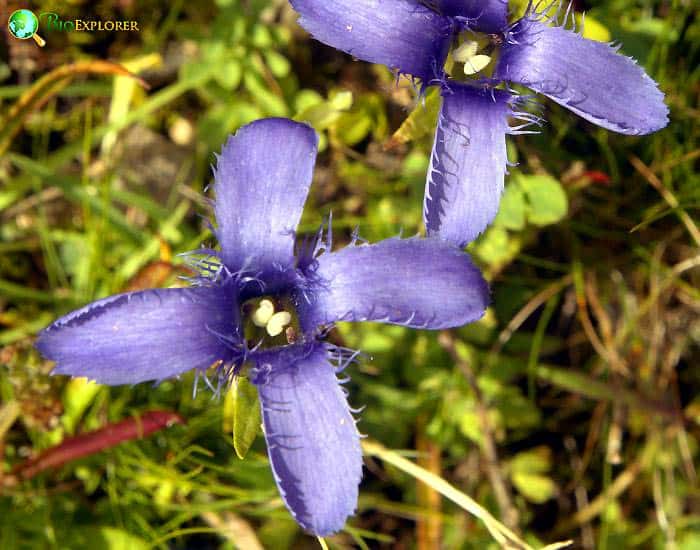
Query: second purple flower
468,48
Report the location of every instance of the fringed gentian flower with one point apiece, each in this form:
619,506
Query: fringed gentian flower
258,310
468,48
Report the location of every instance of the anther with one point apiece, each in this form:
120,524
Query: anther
262,315
476,64
473,62
277,322
465,52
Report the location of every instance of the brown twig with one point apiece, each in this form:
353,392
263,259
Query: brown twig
429,526
605,348
669,197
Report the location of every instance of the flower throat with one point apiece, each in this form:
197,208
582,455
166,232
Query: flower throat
473,56
269,322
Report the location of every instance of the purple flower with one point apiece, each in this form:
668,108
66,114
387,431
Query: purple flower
468,162
233,319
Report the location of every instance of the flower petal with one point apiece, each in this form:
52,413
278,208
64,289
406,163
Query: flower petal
312,441
401,34
590,78
468,163
483,15
421,283
262,179
147,335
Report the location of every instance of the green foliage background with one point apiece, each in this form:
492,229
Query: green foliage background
572,410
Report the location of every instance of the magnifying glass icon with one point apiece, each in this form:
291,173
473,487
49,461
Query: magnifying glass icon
23,24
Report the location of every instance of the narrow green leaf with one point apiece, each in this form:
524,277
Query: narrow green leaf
245,411
421,121
75,191
78,394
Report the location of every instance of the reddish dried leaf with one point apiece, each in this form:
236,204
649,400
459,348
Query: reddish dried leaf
90,443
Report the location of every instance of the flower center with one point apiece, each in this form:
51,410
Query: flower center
269,322
473,56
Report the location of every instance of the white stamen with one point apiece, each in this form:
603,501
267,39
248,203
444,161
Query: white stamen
277,323
262,315
465,52
476,64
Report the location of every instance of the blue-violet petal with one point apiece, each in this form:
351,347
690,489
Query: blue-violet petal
490,16
468,163
590,78
147,335
312,441
402,34
262,179
421,283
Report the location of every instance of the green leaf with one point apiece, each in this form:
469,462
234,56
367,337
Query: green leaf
273,104
213,52
511,213
243,410
279,65
515,410
470,423
367,116
196,72
77,397
534,487
421,121
321,115
230,74
547,201
532,461
592,28
494,247
352,128
305,98
261,37
528,469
